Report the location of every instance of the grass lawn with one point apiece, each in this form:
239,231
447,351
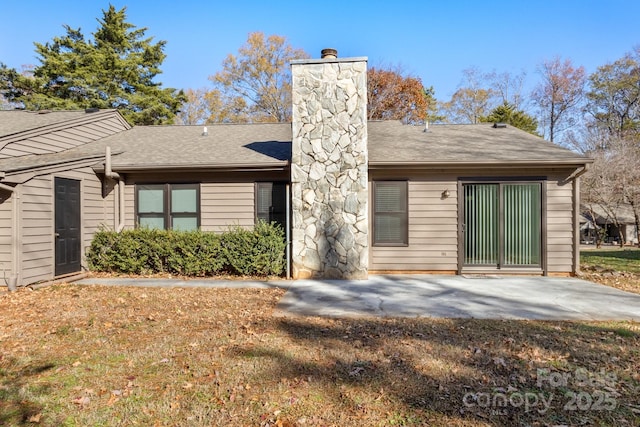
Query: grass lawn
622,260
82,356
619,268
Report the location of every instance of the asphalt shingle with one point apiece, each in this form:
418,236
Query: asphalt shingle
391,142
269,145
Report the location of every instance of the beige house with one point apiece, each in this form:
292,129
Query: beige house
595,218
355,198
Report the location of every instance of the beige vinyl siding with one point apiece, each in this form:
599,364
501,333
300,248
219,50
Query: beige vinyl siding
559,225
64,139
226,204
129,205
433,221
6,232
37,220
433,230
96,212
222,205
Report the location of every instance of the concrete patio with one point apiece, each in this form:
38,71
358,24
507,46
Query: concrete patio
481,297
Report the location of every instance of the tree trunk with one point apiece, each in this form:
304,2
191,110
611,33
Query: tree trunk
551,122
598,233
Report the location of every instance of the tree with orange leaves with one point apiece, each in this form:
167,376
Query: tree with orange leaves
258,79
392,96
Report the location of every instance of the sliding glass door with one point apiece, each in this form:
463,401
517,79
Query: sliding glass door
502,224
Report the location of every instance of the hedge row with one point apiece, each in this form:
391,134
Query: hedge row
237,251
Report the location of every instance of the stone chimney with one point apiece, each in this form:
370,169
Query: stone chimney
330,229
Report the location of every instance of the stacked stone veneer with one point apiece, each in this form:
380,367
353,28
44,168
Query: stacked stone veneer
330,231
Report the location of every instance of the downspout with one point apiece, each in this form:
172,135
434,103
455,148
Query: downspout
15,237
109,173
576,218
288,229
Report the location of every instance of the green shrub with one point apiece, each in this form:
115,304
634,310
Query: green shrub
254,252
194,253
191,253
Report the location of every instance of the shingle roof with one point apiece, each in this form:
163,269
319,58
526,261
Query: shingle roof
15,121
392,143
180,147
624,214
268,145
225,145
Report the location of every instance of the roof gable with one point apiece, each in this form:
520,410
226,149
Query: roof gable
27,132
17,121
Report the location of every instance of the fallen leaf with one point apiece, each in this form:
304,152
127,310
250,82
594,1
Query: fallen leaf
81,401
35,418
112,399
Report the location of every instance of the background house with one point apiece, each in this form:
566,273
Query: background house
596,219
355,197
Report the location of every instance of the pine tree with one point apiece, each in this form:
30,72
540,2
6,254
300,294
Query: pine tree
507,113
115,70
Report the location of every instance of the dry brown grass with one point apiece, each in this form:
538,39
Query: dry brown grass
618,268
75,355
629,282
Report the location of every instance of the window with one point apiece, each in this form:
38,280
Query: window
502,224
271,202
164,206
390,213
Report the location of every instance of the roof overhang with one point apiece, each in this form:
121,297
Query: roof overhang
21,175
492,164
218,167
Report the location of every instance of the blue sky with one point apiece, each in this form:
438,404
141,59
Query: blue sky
433,40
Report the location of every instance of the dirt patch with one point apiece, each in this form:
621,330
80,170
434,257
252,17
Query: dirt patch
629,282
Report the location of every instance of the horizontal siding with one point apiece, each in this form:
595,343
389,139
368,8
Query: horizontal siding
129,206
6,235
97,212
36,251
60,140
37,220
433,222
222,204
559,225
433,230
226,204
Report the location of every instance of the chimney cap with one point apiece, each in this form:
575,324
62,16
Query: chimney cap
328,53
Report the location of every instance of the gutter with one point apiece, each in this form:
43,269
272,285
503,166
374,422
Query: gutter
12,284
575,177
488,164
578,172
7,187
219,167
109,173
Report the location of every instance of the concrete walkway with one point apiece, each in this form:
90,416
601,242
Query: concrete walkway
482,297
